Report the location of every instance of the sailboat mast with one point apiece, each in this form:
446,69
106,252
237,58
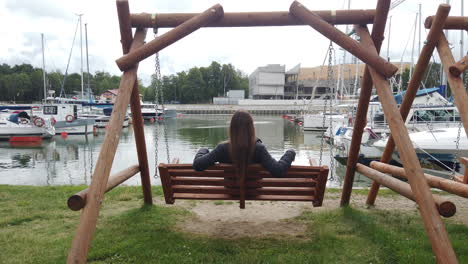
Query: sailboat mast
87,60
412,50
43,68
461,36
419,38
388,42
81,51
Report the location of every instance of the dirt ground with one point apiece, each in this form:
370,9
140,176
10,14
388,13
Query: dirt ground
226,220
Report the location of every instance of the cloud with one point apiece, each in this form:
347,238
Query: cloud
43,8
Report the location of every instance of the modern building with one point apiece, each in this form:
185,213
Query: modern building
274,82
267,82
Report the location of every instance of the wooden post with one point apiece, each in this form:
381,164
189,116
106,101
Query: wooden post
453,22
438,236
253,19
456,83
90,213
123,12
212,14
78,200
360,123
444,207
464,160
413,86
458,68
381,65
450,186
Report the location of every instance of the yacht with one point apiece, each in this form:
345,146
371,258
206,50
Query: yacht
151,111
67,119
20,125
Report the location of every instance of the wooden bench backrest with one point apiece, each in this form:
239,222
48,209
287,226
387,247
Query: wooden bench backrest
219,182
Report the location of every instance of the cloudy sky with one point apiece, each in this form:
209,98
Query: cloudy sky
23,21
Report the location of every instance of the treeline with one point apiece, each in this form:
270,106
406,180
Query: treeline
24,84
199,84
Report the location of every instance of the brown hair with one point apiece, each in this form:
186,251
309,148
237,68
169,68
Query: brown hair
241,145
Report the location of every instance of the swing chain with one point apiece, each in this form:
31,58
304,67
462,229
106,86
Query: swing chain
156,139
329,75
330,84
457,149
156,78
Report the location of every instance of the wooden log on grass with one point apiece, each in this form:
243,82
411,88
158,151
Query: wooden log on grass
380,64
453,22
413,86
212,14
464,161
253,19
444,207
456,83
458,68
360,122
438,236
78,200
90,213
123,12
450,186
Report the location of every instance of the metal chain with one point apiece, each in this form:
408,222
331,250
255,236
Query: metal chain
329,72
167,142
156,139
330,84
457,149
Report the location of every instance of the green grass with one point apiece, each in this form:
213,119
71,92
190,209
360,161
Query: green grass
37,227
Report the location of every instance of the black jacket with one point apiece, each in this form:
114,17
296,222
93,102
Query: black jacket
204,158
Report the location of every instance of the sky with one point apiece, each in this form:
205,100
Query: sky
23,21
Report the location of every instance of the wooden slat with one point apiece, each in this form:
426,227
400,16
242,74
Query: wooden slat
230,174
252,167
199,196
258,183
235,191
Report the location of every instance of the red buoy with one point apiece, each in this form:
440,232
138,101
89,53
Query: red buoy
64,135
152,120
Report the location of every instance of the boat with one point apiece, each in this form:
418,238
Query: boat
151,111
101,117
67,119
315,122
438,146
20,126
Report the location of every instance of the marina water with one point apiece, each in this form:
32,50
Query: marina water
71,160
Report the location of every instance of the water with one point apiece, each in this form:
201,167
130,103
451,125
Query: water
71,161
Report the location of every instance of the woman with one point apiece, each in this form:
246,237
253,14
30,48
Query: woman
242,149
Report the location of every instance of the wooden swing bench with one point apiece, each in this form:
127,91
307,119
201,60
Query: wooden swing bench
219,182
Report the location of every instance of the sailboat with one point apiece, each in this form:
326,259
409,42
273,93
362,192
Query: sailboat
18,125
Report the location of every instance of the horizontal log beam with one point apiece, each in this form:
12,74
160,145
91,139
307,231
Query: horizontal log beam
254,19
458,68
453,22
129,60
444,207
352,46
450,186
78,200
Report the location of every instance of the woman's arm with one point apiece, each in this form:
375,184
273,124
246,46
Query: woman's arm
204,158
276,168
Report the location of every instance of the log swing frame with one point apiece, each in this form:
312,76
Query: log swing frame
376,72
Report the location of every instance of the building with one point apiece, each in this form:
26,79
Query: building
233,97
110,95
274,82
267,82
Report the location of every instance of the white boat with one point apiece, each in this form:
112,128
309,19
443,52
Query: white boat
22,125
437,145
314,122
101,117
67,120
149,111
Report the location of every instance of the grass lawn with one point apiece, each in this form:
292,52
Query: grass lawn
37,227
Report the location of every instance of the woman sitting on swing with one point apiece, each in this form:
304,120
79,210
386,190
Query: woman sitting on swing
242,149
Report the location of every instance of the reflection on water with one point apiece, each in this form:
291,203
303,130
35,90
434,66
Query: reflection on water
71,160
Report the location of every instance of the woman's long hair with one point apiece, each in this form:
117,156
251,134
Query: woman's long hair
241,145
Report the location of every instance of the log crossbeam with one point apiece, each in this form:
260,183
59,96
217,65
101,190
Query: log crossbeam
78,201
444,207
253,19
